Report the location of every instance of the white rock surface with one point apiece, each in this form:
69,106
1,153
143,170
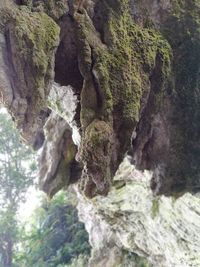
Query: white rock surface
60,129
63,102
164,230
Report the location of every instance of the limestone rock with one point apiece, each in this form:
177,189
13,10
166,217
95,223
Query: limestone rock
51,155
163,230
124,62
57,164
134,68
6,87
122,76
63,102
28,46
54,8
58,167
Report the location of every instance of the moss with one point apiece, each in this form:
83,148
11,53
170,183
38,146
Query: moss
60,180
155,207
66,169
88,103
28,3
121,68
53,8
35,37
124,68
88,43
36,32
96,154
7,12
70,152
132,259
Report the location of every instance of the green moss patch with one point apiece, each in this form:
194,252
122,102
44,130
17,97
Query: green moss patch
126,66
34,37
117,68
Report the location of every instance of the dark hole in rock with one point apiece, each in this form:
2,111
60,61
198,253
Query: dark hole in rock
19,2
39,140
66,62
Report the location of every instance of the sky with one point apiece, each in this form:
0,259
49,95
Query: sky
26,209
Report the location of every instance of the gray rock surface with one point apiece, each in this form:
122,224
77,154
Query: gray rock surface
63,102
134,68
5,85
51,155
126,81
28,45
164,230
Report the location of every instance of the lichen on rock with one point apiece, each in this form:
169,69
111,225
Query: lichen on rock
122,223
96,156
117,70
31,39
63,102
54,8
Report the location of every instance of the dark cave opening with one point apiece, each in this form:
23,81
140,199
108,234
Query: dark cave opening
66,60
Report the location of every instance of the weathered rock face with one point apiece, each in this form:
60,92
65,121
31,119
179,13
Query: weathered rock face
94,80
133,66
163,230
178,169
58,167
27,55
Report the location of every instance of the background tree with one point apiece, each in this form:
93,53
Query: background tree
16,175
56,238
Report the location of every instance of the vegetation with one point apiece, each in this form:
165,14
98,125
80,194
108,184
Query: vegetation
133,260
122,70
16,175
55,236
155,207
129,62
42,35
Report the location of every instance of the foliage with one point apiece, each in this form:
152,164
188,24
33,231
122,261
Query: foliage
56,236
81,261
16,165
16,175
155,207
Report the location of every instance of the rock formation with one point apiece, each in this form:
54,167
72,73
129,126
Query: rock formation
93,81
162,231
